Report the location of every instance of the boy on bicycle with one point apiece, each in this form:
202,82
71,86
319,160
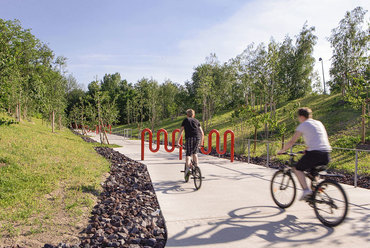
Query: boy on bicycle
194,137
318,147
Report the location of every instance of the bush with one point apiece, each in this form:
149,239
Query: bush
7,121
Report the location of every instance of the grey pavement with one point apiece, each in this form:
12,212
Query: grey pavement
234,207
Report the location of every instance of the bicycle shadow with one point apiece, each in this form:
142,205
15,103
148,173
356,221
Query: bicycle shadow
173,187
239,226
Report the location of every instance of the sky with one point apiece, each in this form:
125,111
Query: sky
166,39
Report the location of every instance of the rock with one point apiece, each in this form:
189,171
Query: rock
113,236
150,242
122,235
134,230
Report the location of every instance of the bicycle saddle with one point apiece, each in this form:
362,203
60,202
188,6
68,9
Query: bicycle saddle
320,168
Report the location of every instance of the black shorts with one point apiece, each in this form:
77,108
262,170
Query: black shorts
191,145
311,159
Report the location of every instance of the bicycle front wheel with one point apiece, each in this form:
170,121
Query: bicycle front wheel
186,176
197,176
330,203
283,189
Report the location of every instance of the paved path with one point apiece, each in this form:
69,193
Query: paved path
234,207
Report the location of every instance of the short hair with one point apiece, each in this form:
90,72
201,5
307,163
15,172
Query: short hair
305,112
190,112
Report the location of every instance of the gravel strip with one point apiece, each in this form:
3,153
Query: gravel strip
127,213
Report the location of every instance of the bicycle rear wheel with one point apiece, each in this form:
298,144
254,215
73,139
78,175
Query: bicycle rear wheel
283,189
197,176
330,203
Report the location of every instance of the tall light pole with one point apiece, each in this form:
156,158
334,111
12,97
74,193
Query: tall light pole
323,77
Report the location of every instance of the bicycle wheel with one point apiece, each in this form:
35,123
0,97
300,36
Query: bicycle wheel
283,189
197,176
330,203
186,177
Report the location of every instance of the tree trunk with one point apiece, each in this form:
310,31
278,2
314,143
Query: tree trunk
52,121
105,134
100,123
253,100
363,126
18,111
204,114
25,112
60,122
255,140
282,141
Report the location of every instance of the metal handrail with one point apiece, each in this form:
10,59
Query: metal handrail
299,144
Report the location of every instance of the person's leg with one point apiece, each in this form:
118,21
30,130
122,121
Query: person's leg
195,150
301,178
188,161
305,163
195,158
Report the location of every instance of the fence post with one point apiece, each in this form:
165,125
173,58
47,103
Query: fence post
356,165
249,151
268,154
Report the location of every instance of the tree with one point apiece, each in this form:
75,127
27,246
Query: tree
358,95
168,92
350,43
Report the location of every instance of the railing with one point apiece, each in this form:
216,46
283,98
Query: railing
268,151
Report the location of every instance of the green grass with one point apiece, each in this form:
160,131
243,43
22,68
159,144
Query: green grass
340,120
44,174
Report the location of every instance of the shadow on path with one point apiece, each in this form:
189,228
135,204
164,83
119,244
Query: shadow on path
247,221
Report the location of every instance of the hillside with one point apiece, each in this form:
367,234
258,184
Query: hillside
48,183
342,123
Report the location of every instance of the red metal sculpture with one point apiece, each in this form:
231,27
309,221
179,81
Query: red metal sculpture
213,131
147,130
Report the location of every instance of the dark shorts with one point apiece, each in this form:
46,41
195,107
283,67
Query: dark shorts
191,145
311,159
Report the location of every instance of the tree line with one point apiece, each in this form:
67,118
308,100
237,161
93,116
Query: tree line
33,81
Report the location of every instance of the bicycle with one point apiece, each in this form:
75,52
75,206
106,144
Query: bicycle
326,197
195,173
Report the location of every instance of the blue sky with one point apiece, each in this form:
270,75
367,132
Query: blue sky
166,39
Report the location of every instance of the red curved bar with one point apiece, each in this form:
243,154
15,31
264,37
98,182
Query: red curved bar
147,130
218,143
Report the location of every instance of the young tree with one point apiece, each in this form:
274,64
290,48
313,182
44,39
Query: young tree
358,96
350,43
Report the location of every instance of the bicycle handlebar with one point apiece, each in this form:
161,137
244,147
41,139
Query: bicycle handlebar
292,153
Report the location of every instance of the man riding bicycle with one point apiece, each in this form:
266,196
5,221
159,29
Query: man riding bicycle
318,147
194,137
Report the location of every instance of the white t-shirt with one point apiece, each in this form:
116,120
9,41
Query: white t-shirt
315,135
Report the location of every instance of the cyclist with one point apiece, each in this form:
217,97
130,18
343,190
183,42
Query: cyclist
194,137
318,147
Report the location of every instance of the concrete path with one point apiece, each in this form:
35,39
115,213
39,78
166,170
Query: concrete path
234,207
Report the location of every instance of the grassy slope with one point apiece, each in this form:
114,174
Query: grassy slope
341,121
45,175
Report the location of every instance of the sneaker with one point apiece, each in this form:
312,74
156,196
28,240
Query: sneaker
306,195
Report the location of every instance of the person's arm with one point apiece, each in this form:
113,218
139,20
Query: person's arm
202,139
288,145
179,137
